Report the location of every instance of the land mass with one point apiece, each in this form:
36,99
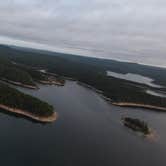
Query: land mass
26,113
34,67
136,125
139,105
15,101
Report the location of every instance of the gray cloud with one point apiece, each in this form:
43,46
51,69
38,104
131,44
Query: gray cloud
127,30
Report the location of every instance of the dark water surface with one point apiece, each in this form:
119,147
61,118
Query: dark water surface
88,132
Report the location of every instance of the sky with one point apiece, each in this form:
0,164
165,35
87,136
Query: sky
127,30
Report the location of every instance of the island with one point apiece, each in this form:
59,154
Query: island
17,102
136,125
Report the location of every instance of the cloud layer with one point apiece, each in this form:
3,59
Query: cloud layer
120,29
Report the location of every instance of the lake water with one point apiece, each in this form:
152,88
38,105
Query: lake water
134,78
88,132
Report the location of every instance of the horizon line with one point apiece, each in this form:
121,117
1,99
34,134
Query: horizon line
43,47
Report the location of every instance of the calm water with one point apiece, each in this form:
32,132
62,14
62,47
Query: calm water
134,78
87,133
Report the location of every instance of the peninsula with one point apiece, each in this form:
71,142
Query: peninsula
17,102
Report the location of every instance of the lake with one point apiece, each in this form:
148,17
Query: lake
134,78
88,132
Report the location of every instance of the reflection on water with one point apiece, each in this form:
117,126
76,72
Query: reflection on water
88,132
134,78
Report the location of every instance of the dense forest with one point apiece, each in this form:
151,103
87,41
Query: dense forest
91,71
14,73
19,73
15,99
11,72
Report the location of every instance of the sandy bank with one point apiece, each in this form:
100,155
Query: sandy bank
127,104
51,118
53,82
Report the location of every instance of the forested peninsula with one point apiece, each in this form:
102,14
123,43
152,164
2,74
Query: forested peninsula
15,101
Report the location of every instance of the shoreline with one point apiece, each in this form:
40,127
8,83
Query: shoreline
49,119
100,92
51,78
151,136
121,104
20,84
128,104
50,83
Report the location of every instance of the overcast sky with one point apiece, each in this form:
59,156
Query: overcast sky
131,30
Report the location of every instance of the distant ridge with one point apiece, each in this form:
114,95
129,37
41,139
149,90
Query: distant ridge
43,51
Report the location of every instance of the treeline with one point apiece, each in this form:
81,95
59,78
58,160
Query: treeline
19,73
15,99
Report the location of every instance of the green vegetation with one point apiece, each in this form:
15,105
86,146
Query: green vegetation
16,75
91,71
15,99
21,74
10,72
136,125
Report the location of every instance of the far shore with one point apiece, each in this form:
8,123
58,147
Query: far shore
48,119
122,104
128,104
51,83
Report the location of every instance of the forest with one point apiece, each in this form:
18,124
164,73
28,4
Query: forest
16,99
91,71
